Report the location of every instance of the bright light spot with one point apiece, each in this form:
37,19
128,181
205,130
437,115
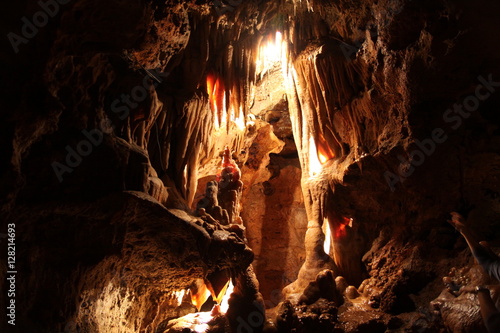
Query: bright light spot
318,155
251,120
328,236
314,162
322,158
185,177
202,318
224,305
223,120
240,120
216,120
200,296
270,52
179,295
201,328
325,153
197,322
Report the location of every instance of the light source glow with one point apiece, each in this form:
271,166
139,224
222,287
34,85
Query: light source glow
200,296
203,318
270,52
314,162
224,305
328,236
325,153
239,120
179,295
223,114
341,231
318,155
322,157
212,100
197,322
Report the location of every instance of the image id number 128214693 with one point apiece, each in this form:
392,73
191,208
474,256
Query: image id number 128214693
11,273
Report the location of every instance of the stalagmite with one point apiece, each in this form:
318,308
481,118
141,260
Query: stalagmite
246,306
230,186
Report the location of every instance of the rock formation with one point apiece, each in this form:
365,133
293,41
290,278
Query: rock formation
352,129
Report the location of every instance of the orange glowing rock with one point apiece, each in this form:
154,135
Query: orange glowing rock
230,172
341,230
325,153
199,293
219,94
216,96
210,84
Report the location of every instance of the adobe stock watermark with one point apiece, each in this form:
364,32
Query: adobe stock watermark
253,321
122,107
222,7
454,117
11,276
49,9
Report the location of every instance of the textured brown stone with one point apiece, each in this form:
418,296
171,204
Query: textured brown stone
389,96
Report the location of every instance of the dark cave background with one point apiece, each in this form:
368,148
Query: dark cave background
369,81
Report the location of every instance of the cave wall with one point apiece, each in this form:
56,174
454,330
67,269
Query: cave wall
109,103
370,82
389,93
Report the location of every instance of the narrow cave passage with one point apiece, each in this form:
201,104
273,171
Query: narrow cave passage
247,166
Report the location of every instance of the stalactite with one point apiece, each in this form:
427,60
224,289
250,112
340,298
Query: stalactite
144,121
325,84
190,142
